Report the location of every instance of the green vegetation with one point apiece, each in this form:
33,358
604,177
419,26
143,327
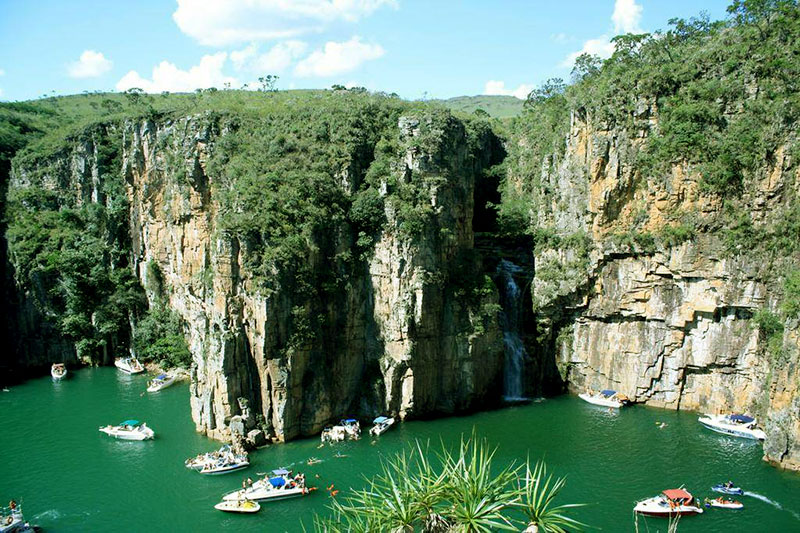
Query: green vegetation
459,491
494,106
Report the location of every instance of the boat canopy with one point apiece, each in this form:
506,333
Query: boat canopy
277,482
161,376
744,419
677,494
608,392
380,420
130,423
350,421
281,472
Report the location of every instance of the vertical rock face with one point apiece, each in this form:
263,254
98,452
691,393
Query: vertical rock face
397,339
667,323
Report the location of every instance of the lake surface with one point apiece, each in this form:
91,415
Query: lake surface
70,477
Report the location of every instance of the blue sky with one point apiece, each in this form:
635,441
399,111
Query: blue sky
416,48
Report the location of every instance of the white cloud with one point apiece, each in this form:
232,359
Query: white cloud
499,87
560,37
2,72
601,47
168,77
90,65
225,22
276,59
338,58
1,91
626,16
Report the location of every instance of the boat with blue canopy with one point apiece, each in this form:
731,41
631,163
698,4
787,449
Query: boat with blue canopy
277,485
605,398
736,425
380,425
160,382
129,430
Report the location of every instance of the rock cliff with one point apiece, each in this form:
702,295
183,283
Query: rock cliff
638,287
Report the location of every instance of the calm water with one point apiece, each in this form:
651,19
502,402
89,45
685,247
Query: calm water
70,477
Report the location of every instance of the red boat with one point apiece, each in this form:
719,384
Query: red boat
671,502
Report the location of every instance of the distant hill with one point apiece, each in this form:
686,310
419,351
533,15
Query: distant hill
497,106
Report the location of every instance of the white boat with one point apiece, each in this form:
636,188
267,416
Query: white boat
129,430
160,382
129,365
671,502
381,424
238,506
333,434
722,503
352,428
11,519
280,485
58,371
226,465
735,425
199,462
606,398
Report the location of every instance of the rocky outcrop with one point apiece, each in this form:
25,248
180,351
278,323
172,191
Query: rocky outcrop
666,321
396,340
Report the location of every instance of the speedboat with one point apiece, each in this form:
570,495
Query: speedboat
735,425
727,488
160,382
199,462
129,430
333,434
58,371
226,465
278,485
671,502
129,365
351,428
11,519
382,423
238,506
606,398
722,503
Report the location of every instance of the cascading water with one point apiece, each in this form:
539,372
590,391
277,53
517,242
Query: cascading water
515,353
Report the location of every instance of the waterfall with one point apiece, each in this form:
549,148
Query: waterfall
515,354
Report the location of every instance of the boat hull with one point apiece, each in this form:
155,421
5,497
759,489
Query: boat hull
732,506
603,402
733,431
161,386
724,490
128,435
262,495
224,470
238,507
124,366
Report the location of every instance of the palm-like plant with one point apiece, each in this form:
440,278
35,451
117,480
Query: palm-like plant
477,495
539,492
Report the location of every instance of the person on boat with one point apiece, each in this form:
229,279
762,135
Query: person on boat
249,482
12,505
729,484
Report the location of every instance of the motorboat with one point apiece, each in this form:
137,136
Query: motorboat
160,382
606,398
199,462
671,502
226,465
277,485
129,430
352,428
722,503
736,425
333,434
11,519
129,365
727,488
58,371
381,424
238,506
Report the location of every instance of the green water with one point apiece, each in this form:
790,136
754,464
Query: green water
70,477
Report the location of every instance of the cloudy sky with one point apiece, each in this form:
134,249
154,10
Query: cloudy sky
417,48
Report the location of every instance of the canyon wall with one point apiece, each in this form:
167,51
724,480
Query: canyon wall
642,292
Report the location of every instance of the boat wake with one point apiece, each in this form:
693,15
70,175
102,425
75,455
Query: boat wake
52,514
771,502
